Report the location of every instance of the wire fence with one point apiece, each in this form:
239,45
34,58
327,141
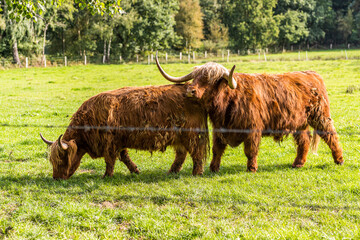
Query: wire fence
259,55
180,129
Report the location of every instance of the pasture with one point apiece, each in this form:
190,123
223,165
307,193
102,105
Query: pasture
320,200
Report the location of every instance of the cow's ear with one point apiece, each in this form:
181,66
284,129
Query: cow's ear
71,152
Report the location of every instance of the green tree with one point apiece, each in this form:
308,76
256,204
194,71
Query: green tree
292,27
32,9
251,24
189,23
345,25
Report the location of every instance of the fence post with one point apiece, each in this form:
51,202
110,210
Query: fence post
137,58
265,56
259,56
166,57
44,60
205,54
348,45
330,45
292,48
148,59
238,52
152,57
188,57
84,59
228,56
65,60
346,55
194,56
103,59
26,62
180,56
248,51
120,59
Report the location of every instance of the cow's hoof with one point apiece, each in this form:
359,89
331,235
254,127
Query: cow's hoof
137,171
214,169
340,163
297,165
251,169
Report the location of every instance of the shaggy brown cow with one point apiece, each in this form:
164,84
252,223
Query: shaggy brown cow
254,105
146,118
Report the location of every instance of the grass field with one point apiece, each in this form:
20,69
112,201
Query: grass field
319,201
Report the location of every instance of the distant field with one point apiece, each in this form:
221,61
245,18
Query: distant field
321,200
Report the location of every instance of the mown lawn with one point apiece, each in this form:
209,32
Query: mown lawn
321,200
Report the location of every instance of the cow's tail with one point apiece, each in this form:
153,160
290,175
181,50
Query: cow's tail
315,142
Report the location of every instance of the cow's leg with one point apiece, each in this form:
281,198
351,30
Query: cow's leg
302,139
251,149
125,158
217,150
328,133
110,163
197,153
179,160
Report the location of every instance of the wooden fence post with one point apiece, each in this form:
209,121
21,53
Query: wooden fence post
84,59
205,54
26,62
44,60
228,56
265,56
188,57
120,59
166,57
137,58
346,56
65,60
180,56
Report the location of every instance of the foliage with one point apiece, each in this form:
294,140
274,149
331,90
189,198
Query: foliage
252,24
189,23
33,9
99,28
318,201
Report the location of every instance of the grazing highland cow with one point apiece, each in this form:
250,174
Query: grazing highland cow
145,118
250,106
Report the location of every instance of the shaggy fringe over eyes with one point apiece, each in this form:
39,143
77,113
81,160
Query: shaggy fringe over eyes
54,156
210,71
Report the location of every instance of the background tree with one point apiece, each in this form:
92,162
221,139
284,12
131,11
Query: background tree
251,24
189,23
345,25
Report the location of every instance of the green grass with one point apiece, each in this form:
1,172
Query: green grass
321,200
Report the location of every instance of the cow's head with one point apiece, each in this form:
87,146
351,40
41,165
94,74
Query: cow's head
62,157
204,78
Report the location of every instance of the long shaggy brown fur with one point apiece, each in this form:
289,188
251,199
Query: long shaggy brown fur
281,103
128,112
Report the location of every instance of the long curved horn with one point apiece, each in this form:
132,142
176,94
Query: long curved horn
170,78
63,146
229,77
46,141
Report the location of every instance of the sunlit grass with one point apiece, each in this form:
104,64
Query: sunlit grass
320,200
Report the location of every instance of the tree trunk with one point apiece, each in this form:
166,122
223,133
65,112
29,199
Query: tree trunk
16,53
108,52
104,56
44,42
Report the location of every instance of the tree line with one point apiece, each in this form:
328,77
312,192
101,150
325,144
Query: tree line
142,26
